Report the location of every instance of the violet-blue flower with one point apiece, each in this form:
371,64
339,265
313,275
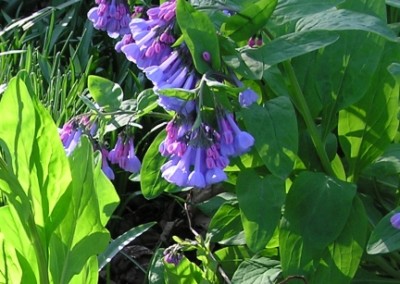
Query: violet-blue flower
247,97
105,166
123,154
201,164
395,220
111,16
234,141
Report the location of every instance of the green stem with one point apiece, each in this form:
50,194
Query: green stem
301,105
381,262
40,254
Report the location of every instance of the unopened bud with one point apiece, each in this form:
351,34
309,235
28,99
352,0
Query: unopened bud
206,56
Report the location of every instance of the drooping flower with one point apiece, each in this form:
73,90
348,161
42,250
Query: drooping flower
173,255
153,37
395,220
247,97
111,16
195,157
234,141
124,155
71,132
104,166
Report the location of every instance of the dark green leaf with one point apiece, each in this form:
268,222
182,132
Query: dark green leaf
231,257
226,226
384,238
367,127
336,20
274,128
248,21
341,260
151,182
283,48
290,10
322,201
260,200
119,243
257,270
107,94
200,36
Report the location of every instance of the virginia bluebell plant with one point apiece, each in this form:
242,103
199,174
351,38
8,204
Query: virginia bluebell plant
197,152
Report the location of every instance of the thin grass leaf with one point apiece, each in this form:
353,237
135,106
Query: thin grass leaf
119,243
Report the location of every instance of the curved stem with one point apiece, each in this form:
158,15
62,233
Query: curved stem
301,105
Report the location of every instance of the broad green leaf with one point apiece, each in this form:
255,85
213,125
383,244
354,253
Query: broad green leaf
290,10
107,94
253,63
322,201
151,182
383,174
257,270
81,235
367,127
336,20
231,257
210,206
248,21
37,168
330,78
108,197
274,128
335,263
260,201
226,226
384,238
17,257
342,258
185,272
200,36
119,243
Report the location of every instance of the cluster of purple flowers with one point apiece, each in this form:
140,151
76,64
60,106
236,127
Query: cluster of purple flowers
122,154
172,254
72,131
149,46
110,16
199,155
197,152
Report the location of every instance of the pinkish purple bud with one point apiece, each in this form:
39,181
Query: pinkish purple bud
251,42
206,56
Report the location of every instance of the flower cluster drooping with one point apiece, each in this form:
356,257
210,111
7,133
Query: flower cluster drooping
199,155
72,131
198,150
149,46
111,16
122,154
